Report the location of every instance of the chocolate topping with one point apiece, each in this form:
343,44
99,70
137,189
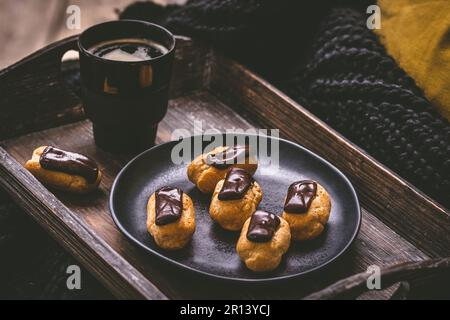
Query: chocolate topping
228,157
69,162
300,195
262,227
236,184
168,205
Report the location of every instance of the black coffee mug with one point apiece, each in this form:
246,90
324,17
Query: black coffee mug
125,100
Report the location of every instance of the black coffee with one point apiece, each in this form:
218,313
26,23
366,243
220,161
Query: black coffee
128,50
126,67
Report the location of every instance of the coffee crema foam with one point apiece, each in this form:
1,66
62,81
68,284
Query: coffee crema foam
128,50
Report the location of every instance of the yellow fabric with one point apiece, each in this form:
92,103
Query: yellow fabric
416,33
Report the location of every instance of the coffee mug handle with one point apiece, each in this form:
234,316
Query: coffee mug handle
34,94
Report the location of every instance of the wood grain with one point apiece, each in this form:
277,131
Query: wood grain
393,200
376,244
355,285
73,233
201,90
51,102
38,98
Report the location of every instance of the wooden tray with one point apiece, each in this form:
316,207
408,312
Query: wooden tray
399,222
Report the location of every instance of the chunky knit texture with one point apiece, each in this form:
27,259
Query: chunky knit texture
338,71
251,30
353,85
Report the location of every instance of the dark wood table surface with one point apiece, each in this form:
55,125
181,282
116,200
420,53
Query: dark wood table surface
43,22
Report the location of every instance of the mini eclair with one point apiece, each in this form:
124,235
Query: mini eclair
206,170
64,170
235,199
170,218
264,240
307,209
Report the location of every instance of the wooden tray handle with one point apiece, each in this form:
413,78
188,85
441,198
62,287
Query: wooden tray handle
34,94
406,273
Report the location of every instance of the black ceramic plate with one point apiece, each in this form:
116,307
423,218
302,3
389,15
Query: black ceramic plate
212,250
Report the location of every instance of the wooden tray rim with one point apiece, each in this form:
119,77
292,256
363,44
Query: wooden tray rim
244,280
34,197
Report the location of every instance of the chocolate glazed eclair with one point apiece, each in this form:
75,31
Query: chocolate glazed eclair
264,240
206,170
234,200
64,170
170,218
307,209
